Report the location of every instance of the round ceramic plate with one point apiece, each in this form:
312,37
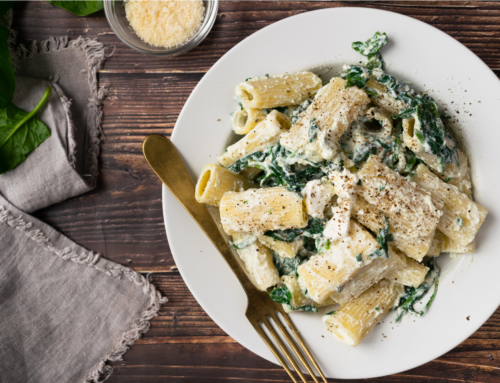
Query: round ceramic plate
423,56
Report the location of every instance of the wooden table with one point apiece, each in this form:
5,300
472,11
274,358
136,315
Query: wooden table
122,218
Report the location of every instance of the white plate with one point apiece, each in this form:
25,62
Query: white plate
428,58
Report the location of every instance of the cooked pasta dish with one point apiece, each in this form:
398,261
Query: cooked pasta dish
343,193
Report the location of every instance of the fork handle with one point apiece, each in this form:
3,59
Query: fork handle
164,159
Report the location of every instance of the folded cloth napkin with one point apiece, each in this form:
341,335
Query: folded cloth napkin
64,310
65,165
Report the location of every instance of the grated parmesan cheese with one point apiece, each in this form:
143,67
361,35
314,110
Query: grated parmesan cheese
165,23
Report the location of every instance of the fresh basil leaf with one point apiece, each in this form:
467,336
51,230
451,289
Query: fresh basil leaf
7,77
20,133
80,8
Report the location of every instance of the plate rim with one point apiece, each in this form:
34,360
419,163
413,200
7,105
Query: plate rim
165,191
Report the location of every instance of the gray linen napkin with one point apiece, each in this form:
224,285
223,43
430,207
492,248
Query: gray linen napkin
64,310
69,156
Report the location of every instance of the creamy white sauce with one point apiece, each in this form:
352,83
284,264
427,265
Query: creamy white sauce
316,197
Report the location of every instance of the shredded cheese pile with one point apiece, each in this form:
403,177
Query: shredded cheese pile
165,23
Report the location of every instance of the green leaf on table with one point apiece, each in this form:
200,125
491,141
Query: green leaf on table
80,8
20,133
5,6
7,77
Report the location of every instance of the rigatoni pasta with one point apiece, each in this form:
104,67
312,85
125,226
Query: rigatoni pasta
412,274
343,193
377,270
317,130
263,135
462,217
215,181
282,90
259,210
258,262
326,273
355,319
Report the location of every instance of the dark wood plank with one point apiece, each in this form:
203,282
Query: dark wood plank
475,24
122,217
184,344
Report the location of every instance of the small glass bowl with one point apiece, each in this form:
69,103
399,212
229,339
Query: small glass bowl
115,14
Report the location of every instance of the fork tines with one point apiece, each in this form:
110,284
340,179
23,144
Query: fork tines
257,320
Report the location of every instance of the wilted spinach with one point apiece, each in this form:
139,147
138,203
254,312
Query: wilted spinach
284,296
383,238
414,295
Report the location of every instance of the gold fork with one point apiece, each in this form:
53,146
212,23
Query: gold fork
166,162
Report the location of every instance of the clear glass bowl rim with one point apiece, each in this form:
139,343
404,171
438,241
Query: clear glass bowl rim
205,28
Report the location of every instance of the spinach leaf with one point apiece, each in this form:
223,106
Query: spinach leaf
5,6
359,75
20,133
284,296
245,243
307,308
286,266
313,130
355,76
281,295
78,7
371,46
383,238
414,295
331,312
430,129
302,107
7,77
242,163
314,227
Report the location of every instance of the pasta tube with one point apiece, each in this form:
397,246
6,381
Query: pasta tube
454,174
215,180
285,249
325,273
245,120
258,262
398,198
259,210
379,269
413,245
443,244
355,319
384,100
319,128
462,217
263,135
413,274
270,92
298,297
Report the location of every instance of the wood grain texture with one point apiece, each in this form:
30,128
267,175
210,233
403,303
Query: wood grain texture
122,218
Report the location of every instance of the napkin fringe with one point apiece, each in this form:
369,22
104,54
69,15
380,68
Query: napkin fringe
95,56
139,326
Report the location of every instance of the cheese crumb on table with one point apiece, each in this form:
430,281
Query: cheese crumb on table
165,23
